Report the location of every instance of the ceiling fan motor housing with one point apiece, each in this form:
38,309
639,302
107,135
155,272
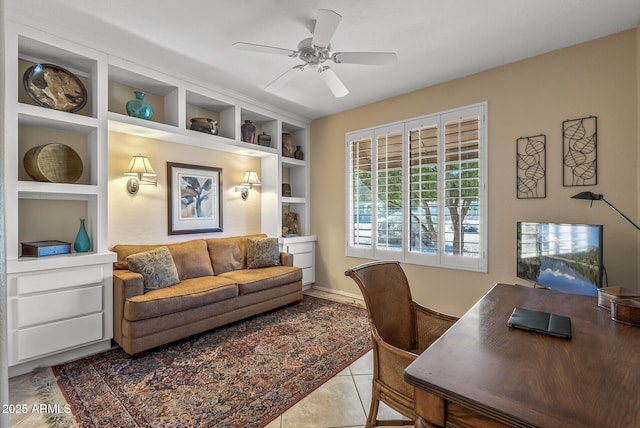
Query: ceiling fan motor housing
311,54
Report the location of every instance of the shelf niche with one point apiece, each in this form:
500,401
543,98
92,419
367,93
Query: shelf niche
162,96
47,219
31,52
30,136
263,123
225,114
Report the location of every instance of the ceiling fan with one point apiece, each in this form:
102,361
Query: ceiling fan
316,51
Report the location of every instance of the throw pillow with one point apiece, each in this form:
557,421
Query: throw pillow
156,267
262,252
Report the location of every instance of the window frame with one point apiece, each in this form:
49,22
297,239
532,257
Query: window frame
403,253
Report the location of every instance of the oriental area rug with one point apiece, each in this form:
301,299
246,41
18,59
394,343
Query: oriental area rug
242,375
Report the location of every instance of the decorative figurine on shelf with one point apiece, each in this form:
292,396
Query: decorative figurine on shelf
248,131
82,244
139,107
287,145
298,154
204,124
289,224
264,139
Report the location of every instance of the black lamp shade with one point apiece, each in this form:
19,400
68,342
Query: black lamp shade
589,196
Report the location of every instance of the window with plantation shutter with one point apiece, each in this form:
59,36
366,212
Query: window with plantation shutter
360,158
423,156
417,190
389,189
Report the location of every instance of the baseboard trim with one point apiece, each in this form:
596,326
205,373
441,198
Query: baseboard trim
338,292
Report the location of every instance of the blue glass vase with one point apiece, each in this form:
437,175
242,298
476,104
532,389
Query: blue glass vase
82,242
139,107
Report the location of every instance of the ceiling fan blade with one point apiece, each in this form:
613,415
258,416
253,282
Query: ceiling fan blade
326,24
333,82
367,58
264,48
281,80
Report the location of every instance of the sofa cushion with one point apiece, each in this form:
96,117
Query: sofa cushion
156,267
262,252
191,257
228,254
253,280
188,294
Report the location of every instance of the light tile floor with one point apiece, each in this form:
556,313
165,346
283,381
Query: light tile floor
341,402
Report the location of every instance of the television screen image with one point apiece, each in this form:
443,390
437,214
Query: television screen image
563,257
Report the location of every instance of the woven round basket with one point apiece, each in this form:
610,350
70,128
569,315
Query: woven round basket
53,162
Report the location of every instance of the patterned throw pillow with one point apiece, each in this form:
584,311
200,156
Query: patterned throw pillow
262,252
156,267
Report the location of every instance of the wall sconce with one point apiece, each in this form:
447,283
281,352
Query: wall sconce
140,167
248,181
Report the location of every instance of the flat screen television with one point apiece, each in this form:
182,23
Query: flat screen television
563,257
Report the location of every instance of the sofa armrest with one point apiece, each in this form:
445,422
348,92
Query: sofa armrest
286,259
130,283
125,284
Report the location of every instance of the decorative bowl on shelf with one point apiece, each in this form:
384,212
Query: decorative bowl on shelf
204,124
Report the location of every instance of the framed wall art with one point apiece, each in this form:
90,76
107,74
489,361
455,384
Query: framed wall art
194,198
531,160
580,152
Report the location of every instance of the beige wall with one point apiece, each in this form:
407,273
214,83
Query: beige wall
529,97
142,218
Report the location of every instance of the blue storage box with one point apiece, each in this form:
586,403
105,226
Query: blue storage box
45,248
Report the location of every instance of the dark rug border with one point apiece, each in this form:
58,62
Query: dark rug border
267,421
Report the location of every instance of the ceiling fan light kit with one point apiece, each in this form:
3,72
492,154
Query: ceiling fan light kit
316,50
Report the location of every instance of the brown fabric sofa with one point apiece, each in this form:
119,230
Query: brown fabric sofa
215,288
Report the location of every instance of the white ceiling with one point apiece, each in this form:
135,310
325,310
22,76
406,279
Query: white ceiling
435,40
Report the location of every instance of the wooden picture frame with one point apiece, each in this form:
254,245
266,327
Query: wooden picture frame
194,196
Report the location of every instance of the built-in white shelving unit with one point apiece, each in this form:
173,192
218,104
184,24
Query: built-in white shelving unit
59,307
82,281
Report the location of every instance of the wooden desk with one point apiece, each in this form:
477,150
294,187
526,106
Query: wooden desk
493,376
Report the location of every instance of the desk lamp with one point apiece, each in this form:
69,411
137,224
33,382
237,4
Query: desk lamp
590,196
621,302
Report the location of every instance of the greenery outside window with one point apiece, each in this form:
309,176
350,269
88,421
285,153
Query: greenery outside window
417,190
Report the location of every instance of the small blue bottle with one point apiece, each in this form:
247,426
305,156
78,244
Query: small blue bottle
82,244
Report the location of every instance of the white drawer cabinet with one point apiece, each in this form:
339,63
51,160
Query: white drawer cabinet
59,308
303,249
30,310
52,337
